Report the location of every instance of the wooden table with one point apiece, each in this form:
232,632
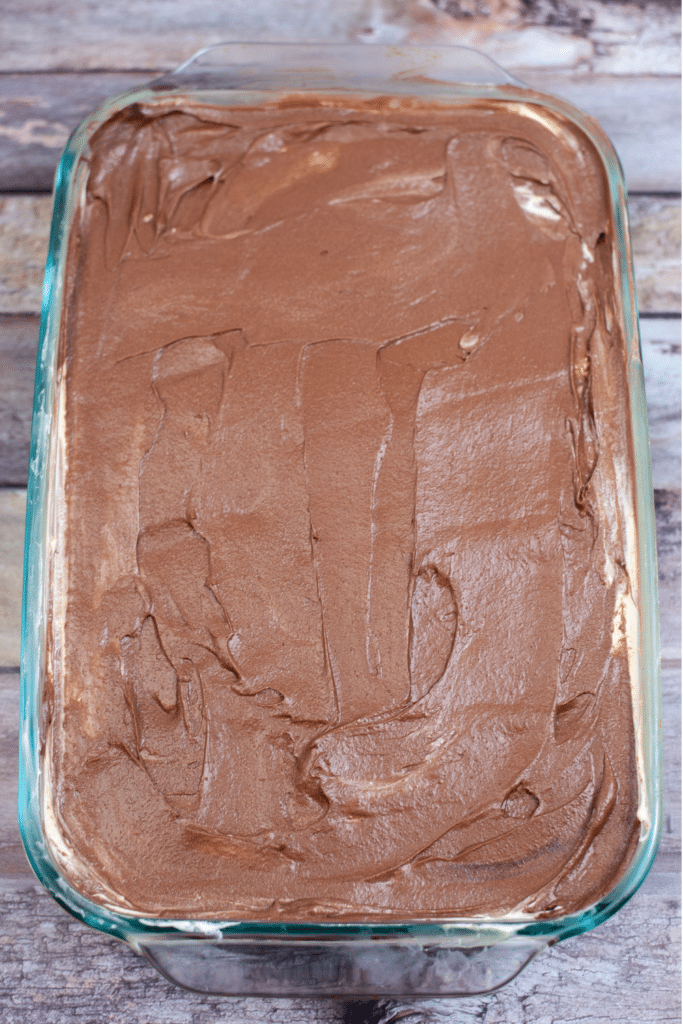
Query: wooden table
617,61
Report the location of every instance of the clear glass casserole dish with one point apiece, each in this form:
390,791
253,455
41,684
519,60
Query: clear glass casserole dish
445,956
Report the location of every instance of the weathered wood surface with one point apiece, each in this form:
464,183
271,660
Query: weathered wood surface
37,115
18,343
656,238
587,35
668,518
619,62
24,231
53,969
661,343
12,511
641,115
25,225
12,514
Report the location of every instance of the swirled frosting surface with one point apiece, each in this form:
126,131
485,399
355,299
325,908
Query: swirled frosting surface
344,571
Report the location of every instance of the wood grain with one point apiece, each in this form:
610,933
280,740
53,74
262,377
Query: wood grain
661,345
592,36
661,340
620,63
54,969
656,238
18,344
12,516
599,37
25,226
24,232
624,972
18,340
37,115
668,518
670,843
641,115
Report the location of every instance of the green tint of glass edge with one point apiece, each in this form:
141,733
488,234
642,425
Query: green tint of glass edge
485,931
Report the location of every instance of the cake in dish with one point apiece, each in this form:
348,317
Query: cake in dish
342,587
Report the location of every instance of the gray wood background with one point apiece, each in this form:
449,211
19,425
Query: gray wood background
619,61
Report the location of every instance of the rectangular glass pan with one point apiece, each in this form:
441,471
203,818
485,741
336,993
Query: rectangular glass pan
444,956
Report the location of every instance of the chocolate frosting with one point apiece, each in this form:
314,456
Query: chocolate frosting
344,555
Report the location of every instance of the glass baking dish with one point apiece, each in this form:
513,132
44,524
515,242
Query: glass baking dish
444,957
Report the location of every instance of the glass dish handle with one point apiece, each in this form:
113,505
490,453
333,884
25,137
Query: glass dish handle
287,66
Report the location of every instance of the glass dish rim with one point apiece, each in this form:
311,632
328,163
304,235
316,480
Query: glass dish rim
183,81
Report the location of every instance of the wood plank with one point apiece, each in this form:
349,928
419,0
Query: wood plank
12,516
54,969
37,115
661,346
668,519
38,112
670,843
13,863
656,239
12,513
641,116
661,343
25,225
24,231
597,37
18,344
623,972
661,355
